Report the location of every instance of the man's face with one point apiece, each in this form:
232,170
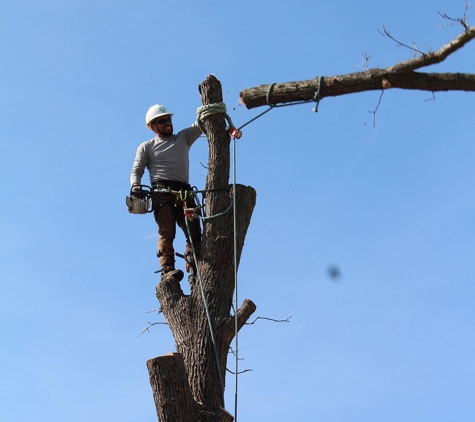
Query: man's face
163,126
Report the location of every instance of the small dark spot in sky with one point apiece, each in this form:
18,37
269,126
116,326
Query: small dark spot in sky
334,272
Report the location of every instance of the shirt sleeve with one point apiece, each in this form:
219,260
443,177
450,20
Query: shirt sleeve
139,165
192,133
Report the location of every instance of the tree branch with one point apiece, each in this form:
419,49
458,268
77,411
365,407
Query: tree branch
227,329
435,57
240,372
400,75
462,21
386,33
270,319
151,324
376,109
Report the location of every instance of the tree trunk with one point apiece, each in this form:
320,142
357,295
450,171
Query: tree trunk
171,391
186,315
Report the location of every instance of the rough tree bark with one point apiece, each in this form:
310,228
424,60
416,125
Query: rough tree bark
401,75
186,385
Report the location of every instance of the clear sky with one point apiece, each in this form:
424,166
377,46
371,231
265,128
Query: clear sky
391,207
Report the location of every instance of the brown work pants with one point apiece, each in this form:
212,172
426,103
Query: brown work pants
168,213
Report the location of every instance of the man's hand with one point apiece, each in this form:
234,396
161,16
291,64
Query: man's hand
136,191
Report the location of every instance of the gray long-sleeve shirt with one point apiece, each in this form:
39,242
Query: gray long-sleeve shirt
165,158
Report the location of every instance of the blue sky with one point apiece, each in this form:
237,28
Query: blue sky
390,206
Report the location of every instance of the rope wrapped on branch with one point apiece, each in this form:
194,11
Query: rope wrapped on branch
208,110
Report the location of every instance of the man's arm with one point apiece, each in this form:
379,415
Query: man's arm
139,165
193,133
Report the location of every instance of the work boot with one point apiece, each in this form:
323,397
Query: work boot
169,272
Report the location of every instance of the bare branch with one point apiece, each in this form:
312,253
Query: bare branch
234,353
462,21
365,57
269,319
151,324
376,109
240,372
434,57
158,310
414,49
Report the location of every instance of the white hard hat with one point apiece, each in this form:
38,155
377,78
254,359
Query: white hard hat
155,111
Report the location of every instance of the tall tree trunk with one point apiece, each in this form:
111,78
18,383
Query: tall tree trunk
204,361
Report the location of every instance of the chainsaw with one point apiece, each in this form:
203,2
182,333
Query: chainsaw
139,200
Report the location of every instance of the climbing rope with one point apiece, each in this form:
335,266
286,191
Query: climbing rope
204,112
317,97
208,110
191,213
217,215
235,284
208,316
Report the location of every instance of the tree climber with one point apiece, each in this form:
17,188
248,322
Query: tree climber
166,158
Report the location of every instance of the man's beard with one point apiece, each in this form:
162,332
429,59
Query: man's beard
166,134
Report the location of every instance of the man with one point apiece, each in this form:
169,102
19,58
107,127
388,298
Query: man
166,158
